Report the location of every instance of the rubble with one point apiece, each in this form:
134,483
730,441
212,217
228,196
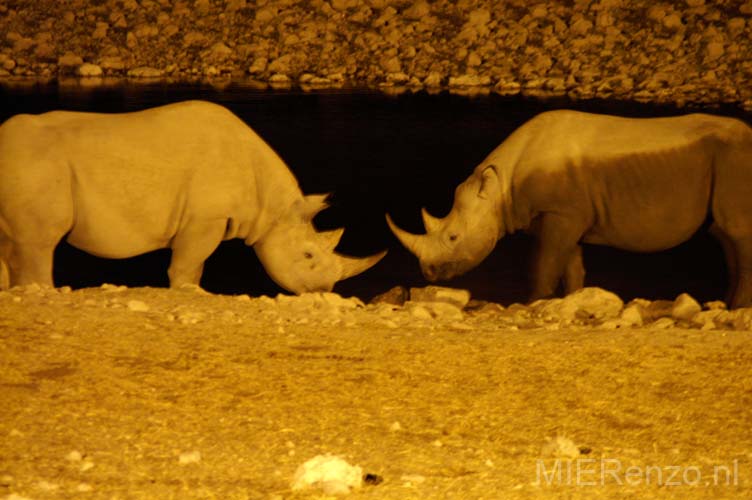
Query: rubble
691,52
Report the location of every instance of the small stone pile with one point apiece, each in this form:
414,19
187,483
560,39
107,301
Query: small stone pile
431,308
694,51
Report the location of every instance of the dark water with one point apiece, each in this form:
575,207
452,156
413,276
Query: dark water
377,154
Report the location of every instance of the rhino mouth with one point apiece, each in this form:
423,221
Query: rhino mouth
443,272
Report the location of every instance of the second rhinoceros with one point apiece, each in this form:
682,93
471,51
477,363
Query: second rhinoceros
184,176
639,184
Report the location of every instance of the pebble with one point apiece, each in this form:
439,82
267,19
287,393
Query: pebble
189,457
137,306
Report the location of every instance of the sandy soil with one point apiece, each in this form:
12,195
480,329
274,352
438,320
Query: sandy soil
155,393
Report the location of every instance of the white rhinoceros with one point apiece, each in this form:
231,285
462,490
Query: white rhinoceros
567,177
183,176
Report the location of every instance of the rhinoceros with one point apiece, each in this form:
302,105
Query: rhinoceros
639,184
184,176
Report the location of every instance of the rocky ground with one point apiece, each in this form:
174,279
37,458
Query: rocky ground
148,393
683,51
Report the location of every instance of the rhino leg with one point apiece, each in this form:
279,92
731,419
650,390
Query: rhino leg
30,263
558,255
741,296
729,252
191,246
574,274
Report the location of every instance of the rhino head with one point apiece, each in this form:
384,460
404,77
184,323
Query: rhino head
301,259
460,241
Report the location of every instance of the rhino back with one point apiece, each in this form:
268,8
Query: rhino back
135,178
637,184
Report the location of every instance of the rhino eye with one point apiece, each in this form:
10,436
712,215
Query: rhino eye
452,237
308,255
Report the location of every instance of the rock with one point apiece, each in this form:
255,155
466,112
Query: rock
145,72
137,306
560,447
662,323
457,297
418,311
685,307
111,63
714,304
417,10
713,52
631,315
590,304
437,310
652,311
69,59
706,320
189,457
88,70
740,319
331,474
469,81
396,296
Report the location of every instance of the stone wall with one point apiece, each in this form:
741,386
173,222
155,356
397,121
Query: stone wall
680,51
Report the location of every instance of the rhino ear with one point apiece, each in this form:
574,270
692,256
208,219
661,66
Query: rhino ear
489,182
312,204
330,239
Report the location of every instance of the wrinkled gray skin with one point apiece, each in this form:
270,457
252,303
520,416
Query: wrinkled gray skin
568,177
183,176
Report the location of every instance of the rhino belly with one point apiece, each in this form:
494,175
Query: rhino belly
111,233
648,230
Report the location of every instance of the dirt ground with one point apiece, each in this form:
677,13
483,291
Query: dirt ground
155,393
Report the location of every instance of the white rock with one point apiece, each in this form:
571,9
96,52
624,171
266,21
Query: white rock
137,305
685,307
145,72
89,70
455,296
331,474
632,315
189,457
418,310
561,447
469,81
662,323
706,319
590,303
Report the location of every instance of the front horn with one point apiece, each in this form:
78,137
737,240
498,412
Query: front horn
413,242
356,265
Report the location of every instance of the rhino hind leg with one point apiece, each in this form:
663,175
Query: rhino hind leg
193,244
732,264
740,286
558,256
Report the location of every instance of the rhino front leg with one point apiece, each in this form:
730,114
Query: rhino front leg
29,263
558,256
574,274
193,244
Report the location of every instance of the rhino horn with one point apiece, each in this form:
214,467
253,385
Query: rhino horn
330,239
413,242
312,204
356,265
432,224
